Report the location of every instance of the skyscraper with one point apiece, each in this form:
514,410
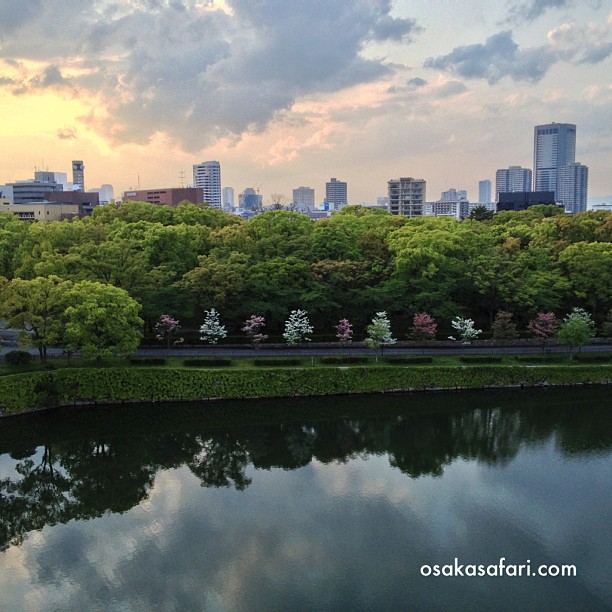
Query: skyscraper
336,194
514,178
554,146
406,196
78,175
484,191
574,180
207,176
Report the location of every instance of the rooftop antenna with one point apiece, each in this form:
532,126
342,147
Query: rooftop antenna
182,178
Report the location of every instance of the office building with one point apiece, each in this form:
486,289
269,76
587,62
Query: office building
304,199
512,179
169,196
484,191
554,146
521,200
24,192
336,194
207,177
78,175
574,181
250,200
452,195
406,196
43,211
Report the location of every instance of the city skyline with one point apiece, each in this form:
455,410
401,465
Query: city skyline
446,92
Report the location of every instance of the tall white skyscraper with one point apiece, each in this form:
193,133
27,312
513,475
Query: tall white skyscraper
512,179
554,146
574,179
207,176
484,191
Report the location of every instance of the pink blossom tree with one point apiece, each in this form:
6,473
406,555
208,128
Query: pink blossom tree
166,329
424,327
544,326
344,331
253,327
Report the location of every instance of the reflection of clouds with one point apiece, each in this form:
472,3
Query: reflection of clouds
326,535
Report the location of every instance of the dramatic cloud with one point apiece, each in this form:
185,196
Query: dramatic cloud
501,57
529,11
193,71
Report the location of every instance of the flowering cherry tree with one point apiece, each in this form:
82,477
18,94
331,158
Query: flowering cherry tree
466,330
544,326
424,327
166,329
297,327
211,330
253,327
344,331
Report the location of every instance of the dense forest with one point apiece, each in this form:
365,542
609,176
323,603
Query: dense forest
183,261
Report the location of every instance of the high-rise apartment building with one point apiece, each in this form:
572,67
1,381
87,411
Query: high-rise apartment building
512,179
304,199
78,175
452,195
406,196
484,191
554,146
336,194
574,181
207,177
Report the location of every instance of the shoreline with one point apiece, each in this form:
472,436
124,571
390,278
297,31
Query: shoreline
34,391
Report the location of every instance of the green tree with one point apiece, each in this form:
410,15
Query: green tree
503,326
37,307
102,320
588,266
576,329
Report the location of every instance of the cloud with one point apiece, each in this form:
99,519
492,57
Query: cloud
67,133
416,82
501,57
498,57
530,11
193,71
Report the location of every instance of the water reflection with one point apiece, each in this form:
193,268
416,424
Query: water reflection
372,485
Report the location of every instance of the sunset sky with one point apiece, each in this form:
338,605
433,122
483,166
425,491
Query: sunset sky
292,92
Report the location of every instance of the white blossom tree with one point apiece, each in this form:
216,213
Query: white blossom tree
379,332
211,330
297,327
466,330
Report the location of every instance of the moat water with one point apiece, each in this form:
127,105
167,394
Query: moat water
311,504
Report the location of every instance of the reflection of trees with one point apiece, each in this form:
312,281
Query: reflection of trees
63,474
221,462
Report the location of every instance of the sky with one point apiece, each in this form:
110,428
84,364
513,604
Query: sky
289,93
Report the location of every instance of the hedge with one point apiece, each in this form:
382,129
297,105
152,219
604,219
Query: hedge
284,361
207,363
148,361
343,359
409,360
29,391
479,359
